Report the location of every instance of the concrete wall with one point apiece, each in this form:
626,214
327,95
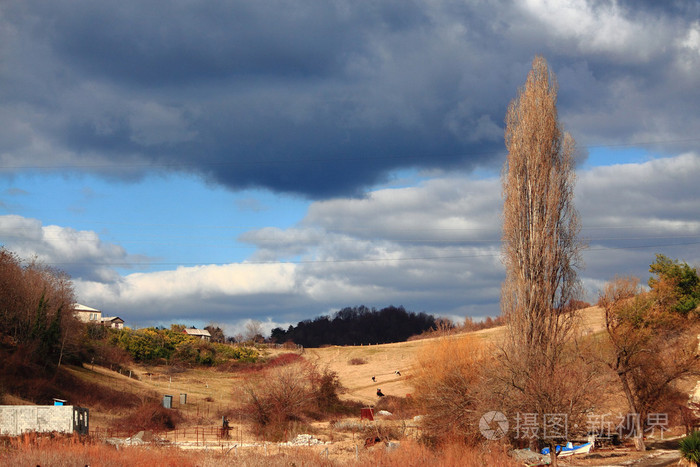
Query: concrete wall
18,419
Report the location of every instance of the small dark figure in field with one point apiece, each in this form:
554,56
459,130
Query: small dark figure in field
374,378
380,393
398,372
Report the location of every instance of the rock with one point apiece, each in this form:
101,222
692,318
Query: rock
529,457
392,446
304,440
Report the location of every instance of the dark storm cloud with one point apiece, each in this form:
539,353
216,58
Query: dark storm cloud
326,98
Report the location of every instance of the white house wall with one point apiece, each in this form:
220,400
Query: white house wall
18,419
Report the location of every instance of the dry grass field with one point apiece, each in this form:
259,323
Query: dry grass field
211,393
385,359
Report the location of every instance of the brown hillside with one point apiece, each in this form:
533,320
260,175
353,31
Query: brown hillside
384,360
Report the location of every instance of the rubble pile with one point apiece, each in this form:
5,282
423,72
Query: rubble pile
303,440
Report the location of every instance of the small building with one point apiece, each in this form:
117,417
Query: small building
90,315
87,314
200,333
18,419
113,322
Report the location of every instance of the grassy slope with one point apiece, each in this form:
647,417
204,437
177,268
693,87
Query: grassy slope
210,391
384,359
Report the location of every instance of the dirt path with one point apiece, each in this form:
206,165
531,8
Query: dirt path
658,459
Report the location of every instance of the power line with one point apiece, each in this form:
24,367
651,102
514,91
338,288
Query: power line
339,261
216,241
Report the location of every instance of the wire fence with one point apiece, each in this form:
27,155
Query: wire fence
194,436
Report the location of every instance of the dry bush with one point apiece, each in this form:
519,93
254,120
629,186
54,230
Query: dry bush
277,361
385,430
401,407
70,451
284,359
101,352
151,416
448,385
357,361
62,451
283,399
352,425
450,454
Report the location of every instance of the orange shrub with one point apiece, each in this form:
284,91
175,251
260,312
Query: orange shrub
448,384
451,454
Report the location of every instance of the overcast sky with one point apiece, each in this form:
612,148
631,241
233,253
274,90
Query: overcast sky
201,162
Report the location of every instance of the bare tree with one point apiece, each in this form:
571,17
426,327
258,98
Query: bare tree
541,248
649,348
253,331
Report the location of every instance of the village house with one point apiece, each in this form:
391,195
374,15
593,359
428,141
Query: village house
200,333
113,322
87,314
90,315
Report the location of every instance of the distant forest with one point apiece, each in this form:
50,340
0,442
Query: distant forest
355,326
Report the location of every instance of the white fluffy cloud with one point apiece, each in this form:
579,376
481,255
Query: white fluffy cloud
604,28
434,247
81,251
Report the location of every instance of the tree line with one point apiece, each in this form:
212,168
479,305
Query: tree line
36,310
39,329
357,326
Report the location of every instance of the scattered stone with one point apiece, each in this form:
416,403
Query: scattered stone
384,413
304,440
142,437
529,457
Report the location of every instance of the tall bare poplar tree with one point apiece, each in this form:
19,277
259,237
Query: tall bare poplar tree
541,251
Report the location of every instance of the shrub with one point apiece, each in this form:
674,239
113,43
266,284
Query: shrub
448,382
151,415
284,359
690,447
31,449
348,425
283,399
152,345
278,361
357,361
277,399
450,454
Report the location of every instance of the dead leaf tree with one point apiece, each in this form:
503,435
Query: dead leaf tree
649,348
541,247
